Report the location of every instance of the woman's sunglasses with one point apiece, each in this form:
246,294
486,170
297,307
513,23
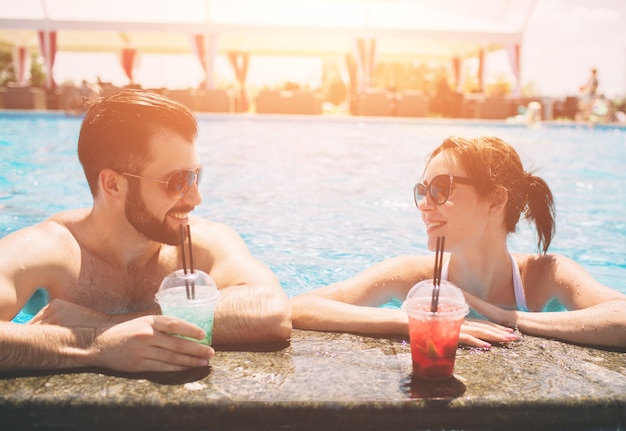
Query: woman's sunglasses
438,189
178,183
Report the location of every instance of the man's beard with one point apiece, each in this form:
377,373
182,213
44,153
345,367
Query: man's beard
140,218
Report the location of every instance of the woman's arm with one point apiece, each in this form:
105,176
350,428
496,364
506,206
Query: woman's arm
600,325
596,313
323,314
354,305
318,313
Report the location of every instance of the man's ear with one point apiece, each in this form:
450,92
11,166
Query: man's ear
110,182
498,198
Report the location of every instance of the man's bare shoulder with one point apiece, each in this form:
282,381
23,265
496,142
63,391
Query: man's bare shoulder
45,254
206,224
69,217
217,242
53,233
212,233
63,224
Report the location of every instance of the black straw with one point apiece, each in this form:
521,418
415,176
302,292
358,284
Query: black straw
437,273
190,249
190,287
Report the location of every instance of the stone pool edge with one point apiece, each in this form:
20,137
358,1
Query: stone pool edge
335,381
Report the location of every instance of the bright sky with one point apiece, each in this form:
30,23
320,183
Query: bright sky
566,38
563,41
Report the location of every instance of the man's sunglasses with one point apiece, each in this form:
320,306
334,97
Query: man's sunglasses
178,183
438,189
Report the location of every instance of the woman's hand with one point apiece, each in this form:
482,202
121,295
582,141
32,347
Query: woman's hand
478,333
492,312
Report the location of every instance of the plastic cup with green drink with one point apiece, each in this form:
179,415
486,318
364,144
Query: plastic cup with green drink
191,297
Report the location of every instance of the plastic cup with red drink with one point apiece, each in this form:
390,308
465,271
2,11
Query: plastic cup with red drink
434,335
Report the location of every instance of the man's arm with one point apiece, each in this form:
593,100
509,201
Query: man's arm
142,344
30,259
251,314
253,308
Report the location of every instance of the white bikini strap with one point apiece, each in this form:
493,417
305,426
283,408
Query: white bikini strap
444,269
518,288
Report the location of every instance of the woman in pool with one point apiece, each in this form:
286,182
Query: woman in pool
473,192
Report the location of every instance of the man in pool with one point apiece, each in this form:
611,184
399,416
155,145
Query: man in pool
102,266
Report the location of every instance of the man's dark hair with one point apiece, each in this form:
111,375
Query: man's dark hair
117,129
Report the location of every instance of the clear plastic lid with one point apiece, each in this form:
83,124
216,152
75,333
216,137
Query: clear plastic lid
451,303
196,284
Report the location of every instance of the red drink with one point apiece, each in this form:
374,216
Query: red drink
434,335
433,344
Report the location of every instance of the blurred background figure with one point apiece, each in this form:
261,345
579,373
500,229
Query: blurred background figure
590,87
89,92
533,114
75,98
588,96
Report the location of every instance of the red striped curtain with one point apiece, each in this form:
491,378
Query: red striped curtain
48,48
513,52
481,70
128,60
21,64
198,44
456,71
205,49
366,61
240,61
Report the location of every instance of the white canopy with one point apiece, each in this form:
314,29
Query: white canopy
263,27
401,29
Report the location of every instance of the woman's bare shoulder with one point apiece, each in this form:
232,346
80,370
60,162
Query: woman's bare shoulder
546,264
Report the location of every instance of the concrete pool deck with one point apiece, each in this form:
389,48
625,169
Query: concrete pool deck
331,381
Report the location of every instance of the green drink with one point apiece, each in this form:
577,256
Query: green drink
191,297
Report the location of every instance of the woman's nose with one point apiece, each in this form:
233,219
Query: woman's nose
425,203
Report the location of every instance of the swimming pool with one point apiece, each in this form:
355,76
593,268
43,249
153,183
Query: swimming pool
319,199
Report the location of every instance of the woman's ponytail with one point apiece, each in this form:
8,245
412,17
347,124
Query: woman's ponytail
540,210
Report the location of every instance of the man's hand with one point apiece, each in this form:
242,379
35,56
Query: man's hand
148,344
141,344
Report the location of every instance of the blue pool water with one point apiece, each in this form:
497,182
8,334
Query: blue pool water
320,199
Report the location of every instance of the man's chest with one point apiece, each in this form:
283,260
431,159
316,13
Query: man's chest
107,288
